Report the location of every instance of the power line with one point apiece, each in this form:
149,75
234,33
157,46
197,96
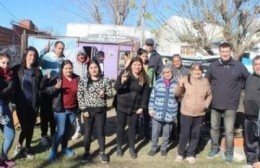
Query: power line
8,11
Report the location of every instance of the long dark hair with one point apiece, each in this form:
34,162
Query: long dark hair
36,55
65,62
192,67
143,76
93,61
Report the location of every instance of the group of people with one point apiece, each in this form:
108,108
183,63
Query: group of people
173,98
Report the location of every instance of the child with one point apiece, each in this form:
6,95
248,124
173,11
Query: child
7,127
163,109
196,99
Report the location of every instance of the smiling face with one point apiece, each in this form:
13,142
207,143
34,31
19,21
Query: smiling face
93,69
177,62
196,72
225,53
256,66
81,57
4,62
136,67
30,58
167,74
67,70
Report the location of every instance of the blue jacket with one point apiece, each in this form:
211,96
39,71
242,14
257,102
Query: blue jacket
163,102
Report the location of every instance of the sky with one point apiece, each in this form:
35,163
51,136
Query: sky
47,15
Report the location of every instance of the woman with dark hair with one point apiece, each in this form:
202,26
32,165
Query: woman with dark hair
196,99
63,90
92,95
27,77
132,87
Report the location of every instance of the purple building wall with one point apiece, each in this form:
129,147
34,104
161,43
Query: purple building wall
112,55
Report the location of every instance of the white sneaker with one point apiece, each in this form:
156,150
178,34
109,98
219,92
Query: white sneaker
179,159
76,136
18,150
191,160
45,141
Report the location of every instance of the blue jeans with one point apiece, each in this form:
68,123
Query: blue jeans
64,121
157,126
229,117
8,131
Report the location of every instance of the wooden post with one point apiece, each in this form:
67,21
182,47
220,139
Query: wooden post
23,42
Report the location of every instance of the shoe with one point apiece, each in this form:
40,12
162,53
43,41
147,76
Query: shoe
77,135
213,154
164,153
29,154
133,153
9,163
18,150
45,141
52,155
191,160
69,152
179,159
151,153
103,157
228,158
119,152
86,157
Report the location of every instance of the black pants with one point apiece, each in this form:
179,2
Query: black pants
190,133
252,141
27,118
131,120
98,120
47,116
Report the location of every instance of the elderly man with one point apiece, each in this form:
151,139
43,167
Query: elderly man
226,76
178,68
252,110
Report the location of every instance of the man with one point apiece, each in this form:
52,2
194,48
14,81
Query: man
178,71
154,58
252,110
80,68
226,76
101,59
178,68
50,64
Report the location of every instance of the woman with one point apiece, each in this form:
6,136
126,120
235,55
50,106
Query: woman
132,87
196,99
27,78
63,89
163,108
92,95
6,124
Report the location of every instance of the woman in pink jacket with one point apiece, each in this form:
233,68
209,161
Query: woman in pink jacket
197,97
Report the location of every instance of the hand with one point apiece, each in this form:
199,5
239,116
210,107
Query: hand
101,93
58,84
139,111
151,113
48,46
180,81
86,114
124,77
48,74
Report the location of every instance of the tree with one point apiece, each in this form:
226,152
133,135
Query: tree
204,21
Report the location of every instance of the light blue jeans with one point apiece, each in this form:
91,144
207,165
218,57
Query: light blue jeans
229,117
8,131
64,122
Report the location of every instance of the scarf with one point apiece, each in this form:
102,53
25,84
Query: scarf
7,73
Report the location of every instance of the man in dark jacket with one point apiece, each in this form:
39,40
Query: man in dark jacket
226,76
252,110
155,60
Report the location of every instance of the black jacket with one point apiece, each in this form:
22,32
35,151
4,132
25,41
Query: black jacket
226,82
155,61
252,97
56,94
7,89
19,98
131,95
